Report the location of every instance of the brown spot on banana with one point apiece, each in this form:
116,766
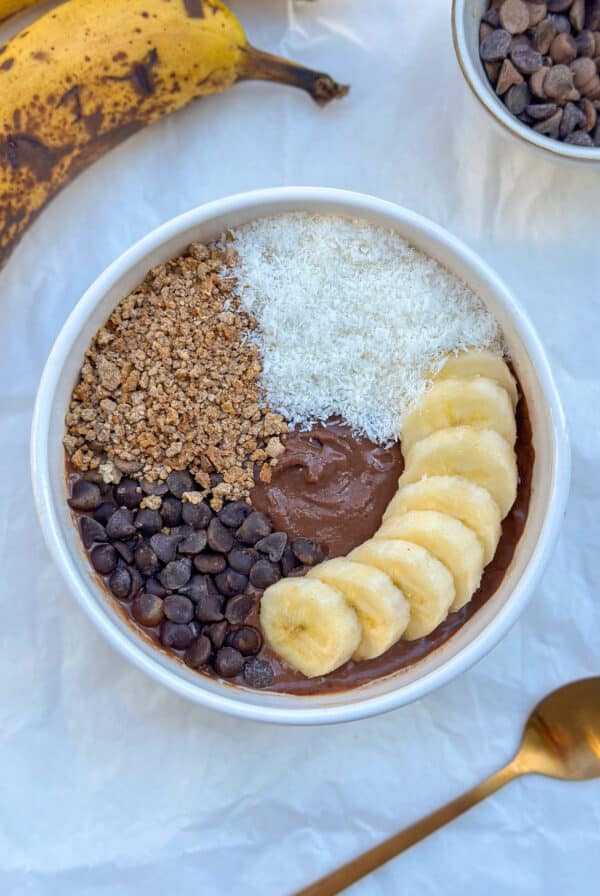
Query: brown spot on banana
101,84
194,8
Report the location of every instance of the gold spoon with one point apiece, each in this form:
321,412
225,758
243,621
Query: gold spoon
561,740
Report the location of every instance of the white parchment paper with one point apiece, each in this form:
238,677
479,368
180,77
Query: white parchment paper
110,784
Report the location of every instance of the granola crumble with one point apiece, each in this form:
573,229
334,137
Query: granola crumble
170,382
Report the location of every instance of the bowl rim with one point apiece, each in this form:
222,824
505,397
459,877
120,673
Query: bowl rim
130,646
482,91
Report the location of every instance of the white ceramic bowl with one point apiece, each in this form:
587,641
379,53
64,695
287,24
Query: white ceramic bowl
550,477
466,18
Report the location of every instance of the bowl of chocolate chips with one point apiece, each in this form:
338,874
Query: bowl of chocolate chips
299,456
535,66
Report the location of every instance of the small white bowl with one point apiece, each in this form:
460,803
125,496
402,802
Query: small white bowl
550,475
466,18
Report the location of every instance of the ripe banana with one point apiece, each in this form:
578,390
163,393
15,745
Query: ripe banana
90,73
480,455
309,625
381,608
476,401
484,363
448,540
458,497
426,583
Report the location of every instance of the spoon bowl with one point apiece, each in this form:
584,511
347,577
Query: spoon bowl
562,734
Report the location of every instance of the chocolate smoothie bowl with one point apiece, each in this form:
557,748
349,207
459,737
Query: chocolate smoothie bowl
299,460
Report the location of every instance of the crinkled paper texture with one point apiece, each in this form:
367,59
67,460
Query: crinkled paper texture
109,784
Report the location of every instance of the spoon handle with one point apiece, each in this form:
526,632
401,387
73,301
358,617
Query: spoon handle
371,859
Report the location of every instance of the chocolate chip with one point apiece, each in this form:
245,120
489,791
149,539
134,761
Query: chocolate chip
198,516
210,563
288,561
173,634
85,495
128,493
577,14
209,608
238,608
258,673
526,59
558,84
572,119
507,77
120,582
492,17
561,23
176,574
242,559
193,543
514,16
579,138
178,608
179,481
256,526
541,111
147,609
551,126
234,514
563,49
146,560
91,531
228,662
558,5
125,550
216,631
154,488
245,639
273,546
170,511
103,558
105,511
495,47
543,36
198,653
148,521
137,583
306,551
586,45
517,98
196,588
153,586
220,539
165,546
264,573
120,525
229,582
583,70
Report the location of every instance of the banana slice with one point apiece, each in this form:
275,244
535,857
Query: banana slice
450,542
427,584
483,363
478,402
382,609
480,455
309,625
458,497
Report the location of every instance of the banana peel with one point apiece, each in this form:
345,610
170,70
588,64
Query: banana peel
90,73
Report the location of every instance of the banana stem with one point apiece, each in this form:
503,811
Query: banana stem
259,66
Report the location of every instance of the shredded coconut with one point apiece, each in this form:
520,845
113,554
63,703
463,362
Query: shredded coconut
352,320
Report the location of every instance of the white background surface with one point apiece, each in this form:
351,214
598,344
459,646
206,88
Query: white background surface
110,784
